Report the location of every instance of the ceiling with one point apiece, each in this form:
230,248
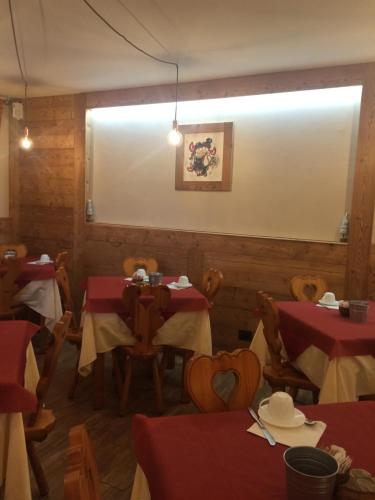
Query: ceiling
67,49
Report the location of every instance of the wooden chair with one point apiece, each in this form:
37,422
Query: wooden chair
74,335
9,308
132,264
81,480
40,423
146,306
211,283
280,373
61,259
19,248
310,288
201,370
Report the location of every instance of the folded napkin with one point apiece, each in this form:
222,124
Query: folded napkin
305,435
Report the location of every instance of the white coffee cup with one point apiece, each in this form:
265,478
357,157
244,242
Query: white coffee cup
328,298
280,406
183,280
44,257
139,274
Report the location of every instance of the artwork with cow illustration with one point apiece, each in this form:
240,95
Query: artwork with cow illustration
204,159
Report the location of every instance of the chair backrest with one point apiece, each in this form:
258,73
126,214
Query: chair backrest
269,314
60,259
201,370
51,356
81,480
310,288
146,307
19,249
211,283
132,264
8,286
63,282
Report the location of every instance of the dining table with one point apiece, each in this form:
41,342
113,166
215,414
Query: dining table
212,456
38,289
335,353
19,376
187,324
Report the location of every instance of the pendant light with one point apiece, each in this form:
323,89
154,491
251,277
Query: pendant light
174,136
25,142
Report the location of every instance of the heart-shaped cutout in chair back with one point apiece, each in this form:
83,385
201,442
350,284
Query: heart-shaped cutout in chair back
227,381
308,288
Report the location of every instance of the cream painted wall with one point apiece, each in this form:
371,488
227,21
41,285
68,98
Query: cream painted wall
292,157
4,163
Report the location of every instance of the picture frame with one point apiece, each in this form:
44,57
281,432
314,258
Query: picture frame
204,158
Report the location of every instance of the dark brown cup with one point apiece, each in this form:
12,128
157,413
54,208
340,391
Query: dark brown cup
155,279
310,473
358,310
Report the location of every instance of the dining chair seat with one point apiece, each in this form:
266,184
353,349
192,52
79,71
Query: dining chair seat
288,376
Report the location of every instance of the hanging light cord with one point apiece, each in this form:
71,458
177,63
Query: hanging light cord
18,54
158,59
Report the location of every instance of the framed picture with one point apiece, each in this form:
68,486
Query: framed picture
204,159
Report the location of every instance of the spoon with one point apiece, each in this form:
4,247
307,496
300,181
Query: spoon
310,422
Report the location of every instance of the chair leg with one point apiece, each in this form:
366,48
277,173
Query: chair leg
158,385
117,371
75,379
37,469
185,398
126,385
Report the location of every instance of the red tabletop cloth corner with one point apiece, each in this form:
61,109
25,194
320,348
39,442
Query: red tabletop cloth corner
211,456
104,295
303,324
14,340
32,272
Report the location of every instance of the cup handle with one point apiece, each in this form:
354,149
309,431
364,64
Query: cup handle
264,401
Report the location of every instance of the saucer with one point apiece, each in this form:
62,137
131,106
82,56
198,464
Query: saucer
178,285
335,303
298,419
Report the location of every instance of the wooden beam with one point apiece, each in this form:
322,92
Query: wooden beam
284,81
363,201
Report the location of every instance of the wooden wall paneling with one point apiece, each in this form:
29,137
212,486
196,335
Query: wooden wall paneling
6,230
285,81
46,177
79,104
363,201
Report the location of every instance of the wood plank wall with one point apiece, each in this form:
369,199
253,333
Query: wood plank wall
48,207
6,230
46,177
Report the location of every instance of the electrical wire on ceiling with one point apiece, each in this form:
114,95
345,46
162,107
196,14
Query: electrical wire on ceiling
142,25
174,136
26,142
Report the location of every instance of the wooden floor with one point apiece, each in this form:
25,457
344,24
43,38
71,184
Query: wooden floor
110,432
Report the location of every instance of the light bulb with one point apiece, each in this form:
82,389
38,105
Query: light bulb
26,142
175,136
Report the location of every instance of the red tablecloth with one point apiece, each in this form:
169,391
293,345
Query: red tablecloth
303,324
104,295
32,272
14,339
211,456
